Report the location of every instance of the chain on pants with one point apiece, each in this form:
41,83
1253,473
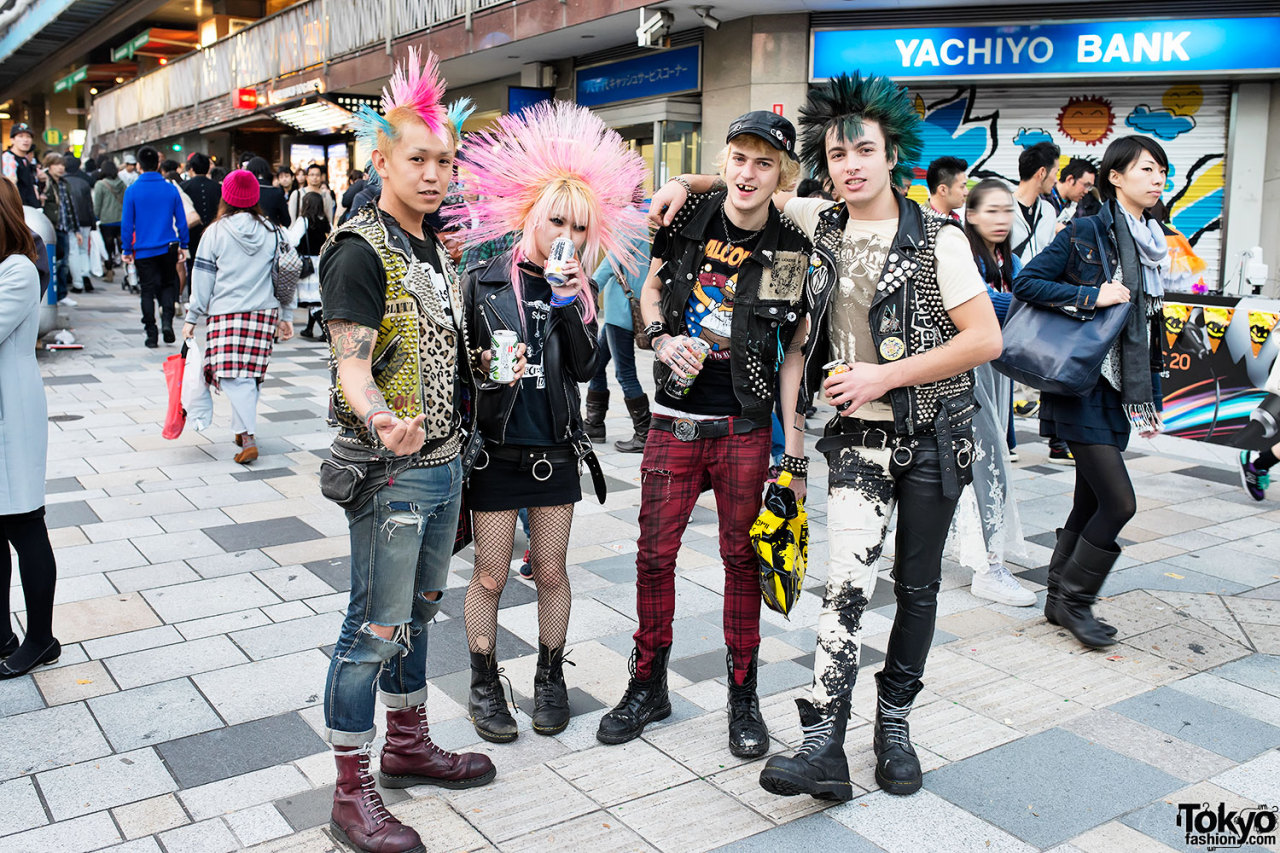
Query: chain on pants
865,486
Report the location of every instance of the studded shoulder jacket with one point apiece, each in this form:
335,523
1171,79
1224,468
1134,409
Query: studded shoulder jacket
906,314
769,300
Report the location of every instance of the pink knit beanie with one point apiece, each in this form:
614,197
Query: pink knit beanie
240,189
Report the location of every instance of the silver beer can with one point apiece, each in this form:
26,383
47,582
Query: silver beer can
561,253
678,384
503,367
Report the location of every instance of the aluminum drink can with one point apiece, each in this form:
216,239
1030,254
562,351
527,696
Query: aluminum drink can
503,366
561,253
831,369
678,384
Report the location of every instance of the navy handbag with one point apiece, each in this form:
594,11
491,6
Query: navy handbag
1056,352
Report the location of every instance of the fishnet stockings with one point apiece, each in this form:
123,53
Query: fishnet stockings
549,545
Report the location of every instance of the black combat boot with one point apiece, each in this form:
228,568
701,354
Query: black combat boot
638,409
748,735
550,695
897,766
645,701
819,768
487,703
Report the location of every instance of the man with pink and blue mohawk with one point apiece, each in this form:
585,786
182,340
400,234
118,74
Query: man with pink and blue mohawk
398,348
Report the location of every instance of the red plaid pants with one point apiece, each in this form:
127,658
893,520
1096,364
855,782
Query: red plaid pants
672,475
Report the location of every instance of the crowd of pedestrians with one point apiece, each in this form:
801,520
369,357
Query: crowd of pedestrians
756,291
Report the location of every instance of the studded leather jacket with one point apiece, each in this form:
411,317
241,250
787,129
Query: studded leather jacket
907,317
769,300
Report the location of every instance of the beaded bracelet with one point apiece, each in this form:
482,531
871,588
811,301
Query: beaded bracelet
796,466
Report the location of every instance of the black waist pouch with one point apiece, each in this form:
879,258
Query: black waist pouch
353,473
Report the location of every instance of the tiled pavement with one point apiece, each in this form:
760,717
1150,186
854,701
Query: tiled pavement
198,599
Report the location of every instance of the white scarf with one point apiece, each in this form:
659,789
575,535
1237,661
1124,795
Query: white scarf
1152,251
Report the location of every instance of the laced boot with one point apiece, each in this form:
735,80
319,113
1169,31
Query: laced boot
487,703
1082,577
597,408
550,695
645,702
359,817
638,409
1061,553
748,734
897,766
819,768
411,758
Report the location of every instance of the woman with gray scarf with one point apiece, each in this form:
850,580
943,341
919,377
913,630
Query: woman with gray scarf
1096,262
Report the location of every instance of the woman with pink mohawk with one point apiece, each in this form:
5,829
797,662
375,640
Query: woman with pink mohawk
393,307
553,173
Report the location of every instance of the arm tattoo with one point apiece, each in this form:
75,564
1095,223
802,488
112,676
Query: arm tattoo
718,184
351,340
373,396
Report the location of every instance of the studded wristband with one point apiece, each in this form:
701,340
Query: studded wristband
688,188
796,466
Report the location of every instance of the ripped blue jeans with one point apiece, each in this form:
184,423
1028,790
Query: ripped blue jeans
401,544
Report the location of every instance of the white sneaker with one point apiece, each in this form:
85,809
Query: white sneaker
998,585
68,301
1013,456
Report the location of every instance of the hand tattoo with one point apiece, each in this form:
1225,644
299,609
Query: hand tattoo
351,340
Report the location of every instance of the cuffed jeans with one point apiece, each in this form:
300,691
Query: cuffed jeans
864,487
401,544
618,343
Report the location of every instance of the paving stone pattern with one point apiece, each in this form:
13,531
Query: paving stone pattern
198,602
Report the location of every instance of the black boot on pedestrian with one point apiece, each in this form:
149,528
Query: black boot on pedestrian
9,646
646,701
748,734
487,703
638,408
597,408
169,336
819,768
897,766
153,337
550,695
1061,552
1083,575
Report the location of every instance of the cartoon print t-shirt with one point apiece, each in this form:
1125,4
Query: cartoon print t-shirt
709,316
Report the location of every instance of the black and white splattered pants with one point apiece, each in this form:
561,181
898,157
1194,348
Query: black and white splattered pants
865,485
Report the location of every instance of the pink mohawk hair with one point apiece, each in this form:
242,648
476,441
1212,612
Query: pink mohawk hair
545,146
419,87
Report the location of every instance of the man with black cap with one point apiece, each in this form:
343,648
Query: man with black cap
724,303
18,164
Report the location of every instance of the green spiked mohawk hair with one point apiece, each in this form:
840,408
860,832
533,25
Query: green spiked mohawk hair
844,103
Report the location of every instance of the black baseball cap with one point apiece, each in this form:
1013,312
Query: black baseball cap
21,127
770,127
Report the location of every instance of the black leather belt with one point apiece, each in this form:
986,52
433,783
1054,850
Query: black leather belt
541,462
688,429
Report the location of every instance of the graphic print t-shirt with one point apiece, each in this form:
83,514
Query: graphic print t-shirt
709,316
530,422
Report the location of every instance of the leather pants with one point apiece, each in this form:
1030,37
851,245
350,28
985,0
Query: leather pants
865,485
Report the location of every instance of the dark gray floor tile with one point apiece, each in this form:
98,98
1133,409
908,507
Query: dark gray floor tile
228,752
616,485
336,572
73,379
262,534
262,474
516,592
1040,575
1049,787
815,832
1160,821
701,667
580,702
312,808
1200,722
447,648
619,569
59,485
1045,470
1225,476
1048,539
69,514
291,415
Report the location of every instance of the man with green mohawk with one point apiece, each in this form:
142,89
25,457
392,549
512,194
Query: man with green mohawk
899,317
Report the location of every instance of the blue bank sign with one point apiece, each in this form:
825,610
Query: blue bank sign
1103,48
653,75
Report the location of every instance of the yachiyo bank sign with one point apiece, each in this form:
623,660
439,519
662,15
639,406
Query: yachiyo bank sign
1201,46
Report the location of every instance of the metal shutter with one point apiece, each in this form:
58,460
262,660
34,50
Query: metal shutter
989,125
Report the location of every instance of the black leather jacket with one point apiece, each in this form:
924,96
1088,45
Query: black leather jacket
568,355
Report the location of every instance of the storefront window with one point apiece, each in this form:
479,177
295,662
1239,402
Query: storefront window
668,148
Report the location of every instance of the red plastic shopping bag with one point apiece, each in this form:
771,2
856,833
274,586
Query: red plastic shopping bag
175,417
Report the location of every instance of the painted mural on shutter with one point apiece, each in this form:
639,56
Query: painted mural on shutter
989,126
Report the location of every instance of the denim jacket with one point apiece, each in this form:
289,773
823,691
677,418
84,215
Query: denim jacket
1070,271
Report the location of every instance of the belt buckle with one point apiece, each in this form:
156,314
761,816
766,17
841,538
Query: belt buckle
884,438
685,429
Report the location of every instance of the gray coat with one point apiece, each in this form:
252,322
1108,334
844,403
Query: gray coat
24,414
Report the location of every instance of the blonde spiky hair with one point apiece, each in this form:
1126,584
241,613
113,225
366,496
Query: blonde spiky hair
559,153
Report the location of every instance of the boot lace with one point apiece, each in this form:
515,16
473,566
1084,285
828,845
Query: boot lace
631,698
547,692
816,735
373,804
425,731
895,732
495,689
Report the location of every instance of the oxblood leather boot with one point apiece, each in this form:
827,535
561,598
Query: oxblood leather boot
819,768
597,408
359,817
646,701
1066,544
411,758
748,734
